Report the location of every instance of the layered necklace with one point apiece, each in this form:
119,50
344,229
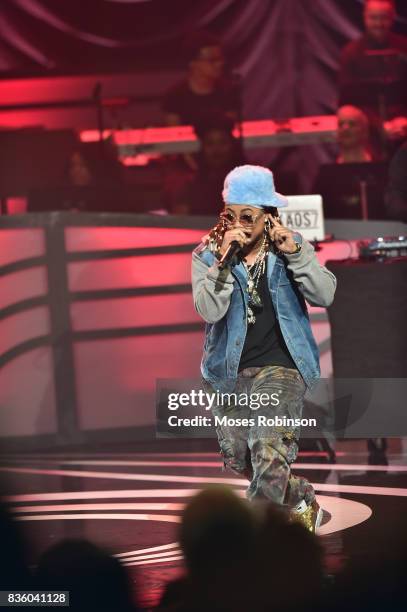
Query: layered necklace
254,273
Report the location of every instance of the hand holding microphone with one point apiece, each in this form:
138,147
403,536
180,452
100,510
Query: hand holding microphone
233,241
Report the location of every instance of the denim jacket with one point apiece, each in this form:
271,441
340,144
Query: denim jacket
220,297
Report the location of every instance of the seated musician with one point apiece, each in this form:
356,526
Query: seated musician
357,177
373,69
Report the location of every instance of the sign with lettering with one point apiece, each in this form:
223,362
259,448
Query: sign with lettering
304,214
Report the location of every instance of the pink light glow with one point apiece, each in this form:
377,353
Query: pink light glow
102,238
164,269
185,133
137,311
21,243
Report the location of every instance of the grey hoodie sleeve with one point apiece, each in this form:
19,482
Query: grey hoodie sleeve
211,289
316,283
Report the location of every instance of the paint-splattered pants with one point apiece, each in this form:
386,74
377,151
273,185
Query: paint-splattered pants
261,452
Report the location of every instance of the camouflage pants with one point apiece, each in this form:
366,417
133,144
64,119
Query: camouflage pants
264,453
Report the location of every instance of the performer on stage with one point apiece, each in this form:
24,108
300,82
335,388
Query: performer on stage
258,336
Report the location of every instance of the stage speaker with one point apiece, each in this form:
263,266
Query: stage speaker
368,318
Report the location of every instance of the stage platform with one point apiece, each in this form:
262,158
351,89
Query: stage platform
130,500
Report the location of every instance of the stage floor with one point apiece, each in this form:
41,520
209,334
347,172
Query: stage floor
131,502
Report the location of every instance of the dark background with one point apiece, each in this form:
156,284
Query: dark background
43,37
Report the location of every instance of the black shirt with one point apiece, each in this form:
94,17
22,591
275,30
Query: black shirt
264,344
193,108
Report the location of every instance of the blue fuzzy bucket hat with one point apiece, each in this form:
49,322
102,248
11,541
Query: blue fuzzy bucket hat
252,185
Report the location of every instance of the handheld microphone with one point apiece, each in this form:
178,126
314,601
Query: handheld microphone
233,248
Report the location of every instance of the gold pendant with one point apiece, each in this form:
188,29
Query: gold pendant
255,299
250,316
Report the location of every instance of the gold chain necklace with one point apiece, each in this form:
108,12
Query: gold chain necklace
258,267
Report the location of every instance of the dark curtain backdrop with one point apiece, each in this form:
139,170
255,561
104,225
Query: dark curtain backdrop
286,51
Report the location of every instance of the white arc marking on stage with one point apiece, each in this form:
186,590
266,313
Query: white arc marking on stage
130,506
124,476
175,558
237,482
344,513
168,518
143,551
337,467
113,494
159,555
